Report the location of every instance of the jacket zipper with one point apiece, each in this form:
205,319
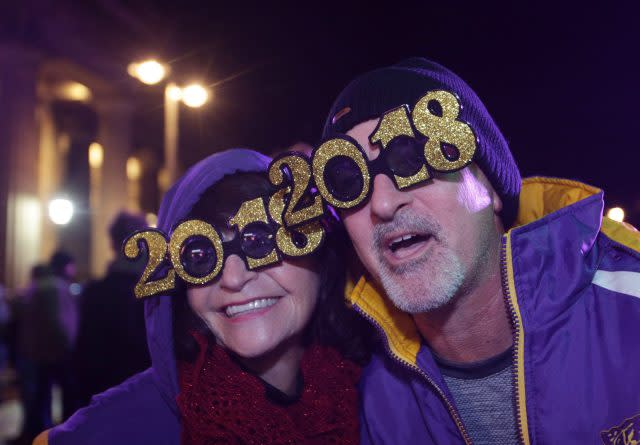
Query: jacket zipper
452,411
515,320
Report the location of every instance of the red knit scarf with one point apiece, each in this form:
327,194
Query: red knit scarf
222,404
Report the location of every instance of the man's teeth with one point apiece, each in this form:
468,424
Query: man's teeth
401,238
406,241
250,306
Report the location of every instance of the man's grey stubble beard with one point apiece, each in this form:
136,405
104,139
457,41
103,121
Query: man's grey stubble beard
426,283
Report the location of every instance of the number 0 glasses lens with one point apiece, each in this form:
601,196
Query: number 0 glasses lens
404,157
198,256
343,178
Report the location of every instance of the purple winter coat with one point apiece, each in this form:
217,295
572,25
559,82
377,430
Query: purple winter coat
571,280
142,410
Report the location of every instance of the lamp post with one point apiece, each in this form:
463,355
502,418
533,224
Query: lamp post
151,72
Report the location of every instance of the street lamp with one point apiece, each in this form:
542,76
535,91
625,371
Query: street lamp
194,95
60,211
149,72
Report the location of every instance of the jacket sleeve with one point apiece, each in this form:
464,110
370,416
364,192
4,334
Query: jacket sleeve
133,412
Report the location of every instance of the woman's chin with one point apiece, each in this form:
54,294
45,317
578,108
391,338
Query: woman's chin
251,348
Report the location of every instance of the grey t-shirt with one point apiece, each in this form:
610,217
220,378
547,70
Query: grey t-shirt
483,393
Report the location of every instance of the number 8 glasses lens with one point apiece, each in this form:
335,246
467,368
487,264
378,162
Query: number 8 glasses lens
404,156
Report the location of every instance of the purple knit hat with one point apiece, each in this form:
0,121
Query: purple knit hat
376,92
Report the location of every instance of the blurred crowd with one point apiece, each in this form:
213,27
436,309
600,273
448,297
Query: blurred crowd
82,338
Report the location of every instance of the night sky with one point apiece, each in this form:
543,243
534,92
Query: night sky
560,80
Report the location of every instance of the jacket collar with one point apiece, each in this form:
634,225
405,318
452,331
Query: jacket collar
540,198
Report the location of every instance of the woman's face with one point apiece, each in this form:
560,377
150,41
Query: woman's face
253,312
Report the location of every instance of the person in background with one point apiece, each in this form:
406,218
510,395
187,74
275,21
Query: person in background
111,343
47,328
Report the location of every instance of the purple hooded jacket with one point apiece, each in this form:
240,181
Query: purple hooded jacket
142,410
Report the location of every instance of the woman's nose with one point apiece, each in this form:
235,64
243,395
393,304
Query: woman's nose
235,274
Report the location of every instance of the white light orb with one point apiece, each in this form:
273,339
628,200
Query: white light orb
60,211
149,72
194,95
616,214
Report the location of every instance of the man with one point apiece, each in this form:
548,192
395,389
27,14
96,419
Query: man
47,328
112,342
490,335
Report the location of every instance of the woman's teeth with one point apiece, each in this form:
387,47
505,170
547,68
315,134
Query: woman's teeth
261,303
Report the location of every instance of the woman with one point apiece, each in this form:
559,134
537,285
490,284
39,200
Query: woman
255,357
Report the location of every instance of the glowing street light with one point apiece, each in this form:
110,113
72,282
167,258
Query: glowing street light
616,214
96,155
152,219
174,92
149,72
134,168
73,91
194,95
60,211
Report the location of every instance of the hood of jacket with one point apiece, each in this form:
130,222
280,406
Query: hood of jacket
176,204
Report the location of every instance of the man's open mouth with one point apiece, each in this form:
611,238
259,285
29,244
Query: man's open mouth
401,247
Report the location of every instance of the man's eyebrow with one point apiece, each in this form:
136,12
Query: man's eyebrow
340,114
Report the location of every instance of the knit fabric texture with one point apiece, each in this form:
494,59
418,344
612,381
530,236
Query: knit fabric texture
222,404
372,94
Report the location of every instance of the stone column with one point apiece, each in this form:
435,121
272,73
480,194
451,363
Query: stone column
114,134
21,211
51,170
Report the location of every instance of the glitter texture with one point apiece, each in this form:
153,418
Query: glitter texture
393,123
301,174
157,248
444,129
407,181
313,231
186,230
277,204
324,153
271,258
250,212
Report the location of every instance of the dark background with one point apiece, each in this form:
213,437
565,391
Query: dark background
560,78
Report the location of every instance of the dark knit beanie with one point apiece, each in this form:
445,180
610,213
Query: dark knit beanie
376,92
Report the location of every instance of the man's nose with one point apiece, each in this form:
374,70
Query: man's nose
386,199
235,274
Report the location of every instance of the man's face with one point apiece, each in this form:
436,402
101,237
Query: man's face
426,244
